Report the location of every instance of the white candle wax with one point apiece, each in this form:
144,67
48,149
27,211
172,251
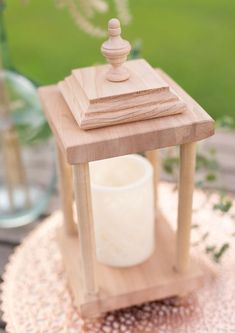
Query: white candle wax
123,210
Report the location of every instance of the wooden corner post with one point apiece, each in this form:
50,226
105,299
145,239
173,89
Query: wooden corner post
186,187
66,192
155,159
85,227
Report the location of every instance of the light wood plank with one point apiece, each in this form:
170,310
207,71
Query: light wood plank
97,88
66,192
155,159
85,228
82,146
186,187
125,110
122,287
96,102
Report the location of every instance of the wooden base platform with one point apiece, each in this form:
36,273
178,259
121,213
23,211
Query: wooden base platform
155,279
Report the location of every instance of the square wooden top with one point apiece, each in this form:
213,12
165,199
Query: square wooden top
96,102
93,82
81,146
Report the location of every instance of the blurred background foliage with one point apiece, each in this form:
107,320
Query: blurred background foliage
193,41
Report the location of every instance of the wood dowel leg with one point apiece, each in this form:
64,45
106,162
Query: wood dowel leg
186,187
85,227
66,193
154,158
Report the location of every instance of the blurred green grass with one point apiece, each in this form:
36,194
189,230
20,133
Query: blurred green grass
193,41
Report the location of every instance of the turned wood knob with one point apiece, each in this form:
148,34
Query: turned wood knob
116,50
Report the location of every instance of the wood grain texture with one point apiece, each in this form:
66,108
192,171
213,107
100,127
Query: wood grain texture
66,192
154,158
186,187
143,80
81,146
116,50
118,288
96,102
85,230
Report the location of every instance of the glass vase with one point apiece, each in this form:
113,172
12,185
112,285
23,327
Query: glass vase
27,168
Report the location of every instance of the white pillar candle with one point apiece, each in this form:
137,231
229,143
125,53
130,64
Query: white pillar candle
123,210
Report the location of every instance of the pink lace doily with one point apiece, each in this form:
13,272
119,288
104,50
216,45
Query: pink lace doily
36,299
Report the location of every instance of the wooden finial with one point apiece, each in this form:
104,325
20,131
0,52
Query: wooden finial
116,50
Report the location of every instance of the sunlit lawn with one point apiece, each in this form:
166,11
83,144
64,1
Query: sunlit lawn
194,41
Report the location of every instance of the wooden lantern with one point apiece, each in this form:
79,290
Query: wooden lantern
112,110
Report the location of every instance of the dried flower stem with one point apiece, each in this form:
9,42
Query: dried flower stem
122,7
83,10
81,20
12,158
